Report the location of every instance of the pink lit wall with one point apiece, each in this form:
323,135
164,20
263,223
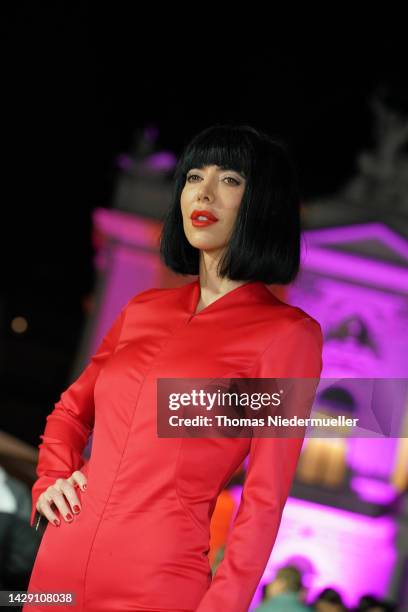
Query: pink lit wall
127,263
352,553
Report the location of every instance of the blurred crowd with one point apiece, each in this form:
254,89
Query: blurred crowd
286,593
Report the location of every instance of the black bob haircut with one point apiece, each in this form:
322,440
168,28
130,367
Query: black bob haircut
265,242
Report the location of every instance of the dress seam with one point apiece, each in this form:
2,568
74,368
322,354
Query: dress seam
183,506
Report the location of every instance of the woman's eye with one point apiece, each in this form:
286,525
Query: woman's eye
229,178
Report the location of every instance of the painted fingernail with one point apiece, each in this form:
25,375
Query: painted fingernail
84,487
56,522
69,517
76,509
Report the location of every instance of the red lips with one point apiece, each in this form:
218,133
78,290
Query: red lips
203,213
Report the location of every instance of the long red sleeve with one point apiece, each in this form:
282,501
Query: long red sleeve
271,469
70,423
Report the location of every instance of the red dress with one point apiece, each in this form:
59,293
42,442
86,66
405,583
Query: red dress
141,539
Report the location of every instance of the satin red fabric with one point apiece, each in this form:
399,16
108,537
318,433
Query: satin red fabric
141,540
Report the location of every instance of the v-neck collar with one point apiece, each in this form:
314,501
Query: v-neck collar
242,292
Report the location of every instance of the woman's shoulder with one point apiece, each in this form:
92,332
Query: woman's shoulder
289,315
161,294
148,294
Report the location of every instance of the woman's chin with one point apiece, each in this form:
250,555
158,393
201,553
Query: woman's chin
207,248
204,245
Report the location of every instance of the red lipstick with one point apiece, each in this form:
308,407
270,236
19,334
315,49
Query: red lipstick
202,218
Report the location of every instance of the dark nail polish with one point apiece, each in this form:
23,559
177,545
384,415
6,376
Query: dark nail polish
56,522
69,517
76,509
84,487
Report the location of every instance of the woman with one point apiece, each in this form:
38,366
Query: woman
140,539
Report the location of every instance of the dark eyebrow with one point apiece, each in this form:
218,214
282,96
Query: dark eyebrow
221,168
232,170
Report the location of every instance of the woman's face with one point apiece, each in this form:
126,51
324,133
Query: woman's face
218,193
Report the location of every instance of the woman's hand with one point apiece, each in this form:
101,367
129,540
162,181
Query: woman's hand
60,494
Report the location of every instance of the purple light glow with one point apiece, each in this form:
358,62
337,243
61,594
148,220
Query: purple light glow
130,262
354,266
348,233
162,161
124,162
373,491
127,229
337,546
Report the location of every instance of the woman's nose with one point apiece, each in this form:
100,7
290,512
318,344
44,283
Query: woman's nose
204,192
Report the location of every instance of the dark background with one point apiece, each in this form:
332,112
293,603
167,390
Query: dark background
78,79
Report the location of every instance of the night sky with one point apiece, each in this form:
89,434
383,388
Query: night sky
79,79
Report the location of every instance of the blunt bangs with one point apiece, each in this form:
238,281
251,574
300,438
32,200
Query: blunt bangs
228,149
